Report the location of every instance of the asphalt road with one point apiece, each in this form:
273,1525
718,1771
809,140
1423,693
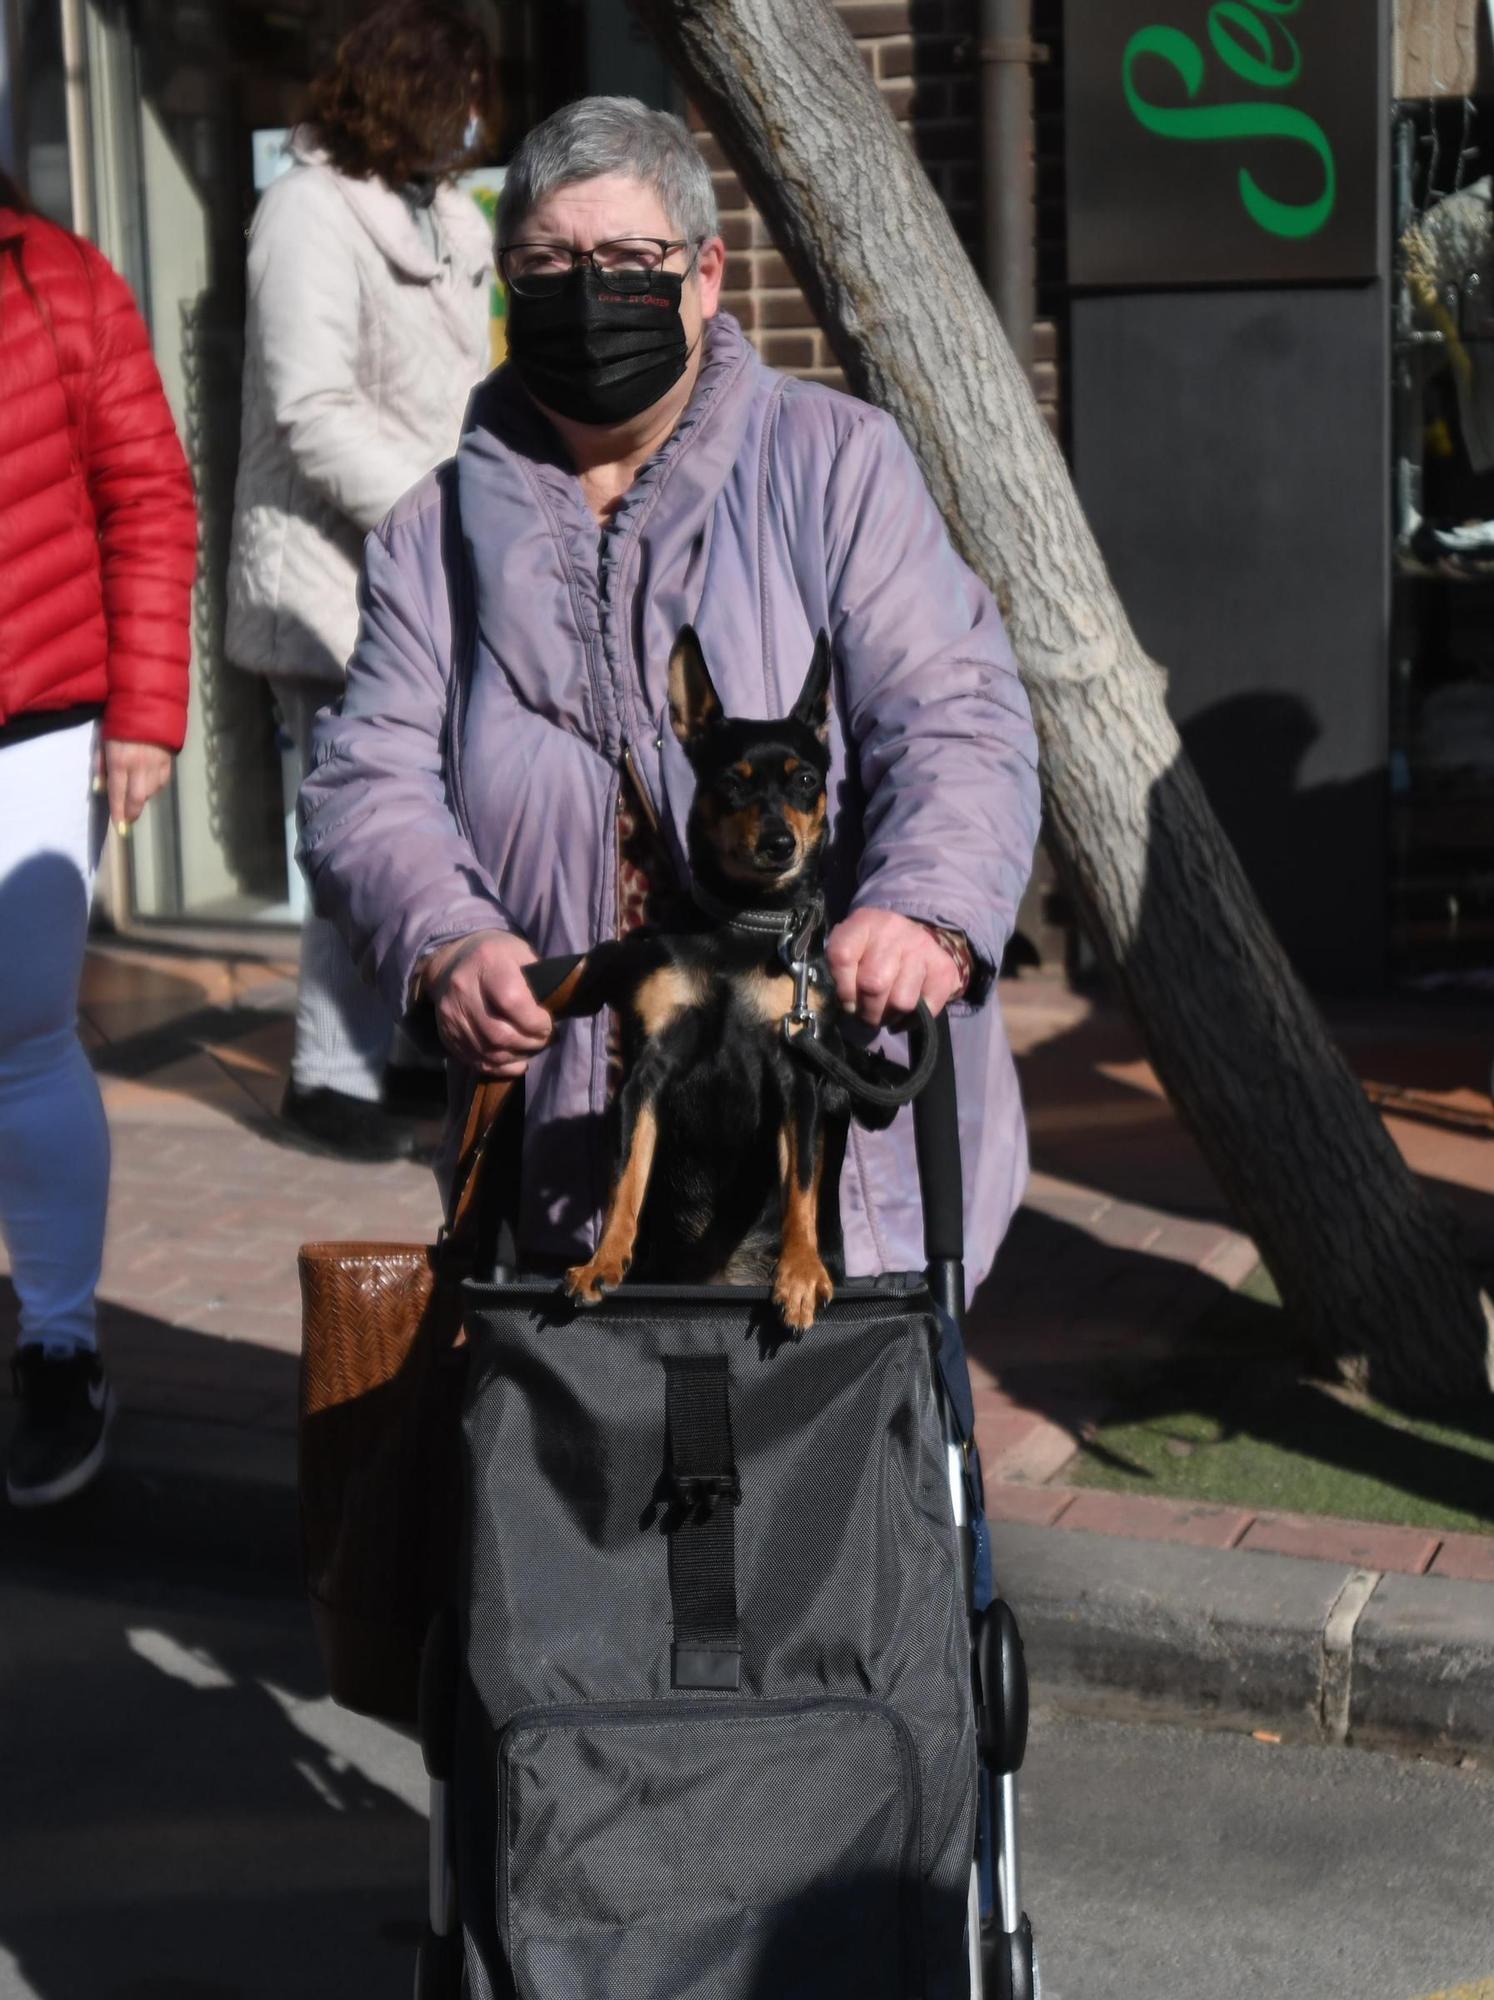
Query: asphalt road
182,1817
1180,1864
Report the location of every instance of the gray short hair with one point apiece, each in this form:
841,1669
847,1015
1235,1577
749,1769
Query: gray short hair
611,135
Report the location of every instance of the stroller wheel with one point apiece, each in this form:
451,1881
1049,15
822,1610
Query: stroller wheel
440,1968
1009,1964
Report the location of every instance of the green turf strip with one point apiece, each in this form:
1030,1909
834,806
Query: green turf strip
1230,1421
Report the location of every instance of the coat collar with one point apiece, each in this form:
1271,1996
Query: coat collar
385,216
516,485
507,438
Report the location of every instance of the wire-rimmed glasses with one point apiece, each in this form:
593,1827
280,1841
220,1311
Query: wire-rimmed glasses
537,270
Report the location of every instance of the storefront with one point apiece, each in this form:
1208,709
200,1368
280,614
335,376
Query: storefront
1228,254
1442,664
1280,259
136,122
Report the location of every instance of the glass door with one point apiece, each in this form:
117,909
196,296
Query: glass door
168,89
1442,711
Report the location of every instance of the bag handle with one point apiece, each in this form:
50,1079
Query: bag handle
553,982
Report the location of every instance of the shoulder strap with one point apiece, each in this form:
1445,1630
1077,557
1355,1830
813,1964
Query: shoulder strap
553,982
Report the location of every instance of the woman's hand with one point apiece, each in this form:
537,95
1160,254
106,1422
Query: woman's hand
485,1012
884,964
132,774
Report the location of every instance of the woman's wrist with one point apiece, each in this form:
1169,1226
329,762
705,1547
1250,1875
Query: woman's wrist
958,947
441,957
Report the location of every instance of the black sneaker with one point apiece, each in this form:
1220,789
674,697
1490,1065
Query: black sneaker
351,1128
57,1447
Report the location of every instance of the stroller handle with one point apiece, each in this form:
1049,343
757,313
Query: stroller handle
936,1139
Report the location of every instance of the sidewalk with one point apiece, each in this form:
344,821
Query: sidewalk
1121,1247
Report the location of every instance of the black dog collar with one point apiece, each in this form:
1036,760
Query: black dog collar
794,932
796,926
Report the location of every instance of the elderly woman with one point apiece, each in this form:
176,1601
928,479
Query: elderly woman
500,780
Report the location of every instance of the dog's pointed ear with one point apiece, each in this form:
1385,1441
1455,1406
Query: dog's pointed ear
813,706
694,705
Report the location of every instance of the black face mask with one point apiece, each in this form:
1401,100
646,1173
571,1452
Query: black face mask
595,354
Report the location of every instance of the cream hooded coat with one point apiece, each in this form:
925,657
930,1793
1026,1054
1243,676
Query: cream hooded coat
361,351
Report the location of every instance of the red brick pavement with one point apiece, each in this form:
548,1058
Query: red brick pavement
1139,1517
1365,1544
1470,1558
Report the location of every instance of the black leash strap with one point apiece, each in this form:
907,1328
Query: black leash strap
922,1034
702,1479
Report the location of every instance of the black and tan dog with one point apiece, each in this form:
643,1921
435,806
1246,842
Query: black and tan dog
729,1143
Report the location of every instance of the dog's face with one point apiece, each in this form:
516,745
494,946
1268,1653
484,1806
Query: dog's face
758,821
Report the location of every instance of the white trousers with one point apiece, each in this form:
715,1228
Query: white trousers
54,1140
343,1029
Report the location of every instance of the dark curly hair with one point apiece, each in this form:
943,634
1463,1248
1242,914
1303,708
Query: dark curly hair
395,98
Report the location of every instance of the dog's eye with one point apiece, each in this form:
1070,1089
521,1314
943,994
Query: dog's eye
806,784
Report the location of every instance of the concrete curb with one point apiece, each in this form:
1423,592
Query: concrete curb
1424,1662
1250,1639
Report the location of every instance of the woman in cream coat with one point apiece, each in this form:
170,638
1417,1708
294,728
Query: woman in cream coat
368,325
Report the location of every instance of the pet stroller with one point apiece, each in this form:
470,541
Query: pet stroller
727,1708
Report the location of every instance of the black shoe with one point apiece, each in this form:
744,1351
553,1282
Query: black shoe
67,1406
329,1121
412,1090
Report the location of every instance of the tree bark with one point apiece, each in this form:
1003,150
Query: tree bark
1368,1265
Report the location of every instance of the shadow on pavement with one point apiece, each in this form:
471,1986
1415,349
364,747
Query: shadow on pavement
186,1816
189,1023
1417,1059
1218,1353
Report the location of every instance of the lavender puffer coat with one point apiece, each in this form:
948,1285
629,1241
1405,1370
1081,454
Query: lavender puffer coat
509,657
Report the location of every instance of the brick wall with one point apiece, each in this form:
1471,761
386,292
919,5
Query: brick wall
923,56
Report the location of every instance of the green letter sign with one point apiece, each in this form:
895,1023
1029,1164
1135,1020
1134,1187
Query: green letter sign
1260,52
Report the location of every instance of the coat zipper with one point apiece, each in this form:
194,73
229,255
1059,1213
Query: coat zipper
634,770
622,695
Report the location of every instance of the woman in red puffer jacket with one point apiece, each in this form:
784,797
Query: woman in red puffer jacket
98,548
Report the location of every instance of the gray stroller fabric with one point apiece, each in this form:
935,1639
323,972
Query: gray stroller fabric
711,1747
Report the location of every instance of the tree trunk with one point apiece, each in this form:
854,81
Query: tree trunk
1367,1264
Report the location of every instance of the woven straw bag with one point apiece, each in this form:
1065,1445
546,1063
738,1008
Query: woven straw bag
382,1368
382,1372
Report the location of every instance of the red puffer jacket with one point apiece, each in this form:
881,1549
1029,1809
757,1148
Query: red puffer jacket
98,525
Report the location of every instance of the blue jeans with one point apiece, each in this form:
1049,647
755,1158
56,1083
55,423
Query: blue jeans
54,1139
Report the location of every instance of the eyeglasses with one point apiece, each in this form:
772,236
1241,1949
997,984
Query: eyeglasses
537,270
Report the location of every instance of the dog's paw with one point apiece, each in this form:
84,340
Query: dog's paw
801,1285
588,1283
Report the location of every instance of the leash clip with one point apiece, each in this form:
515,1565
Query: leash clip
794,952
